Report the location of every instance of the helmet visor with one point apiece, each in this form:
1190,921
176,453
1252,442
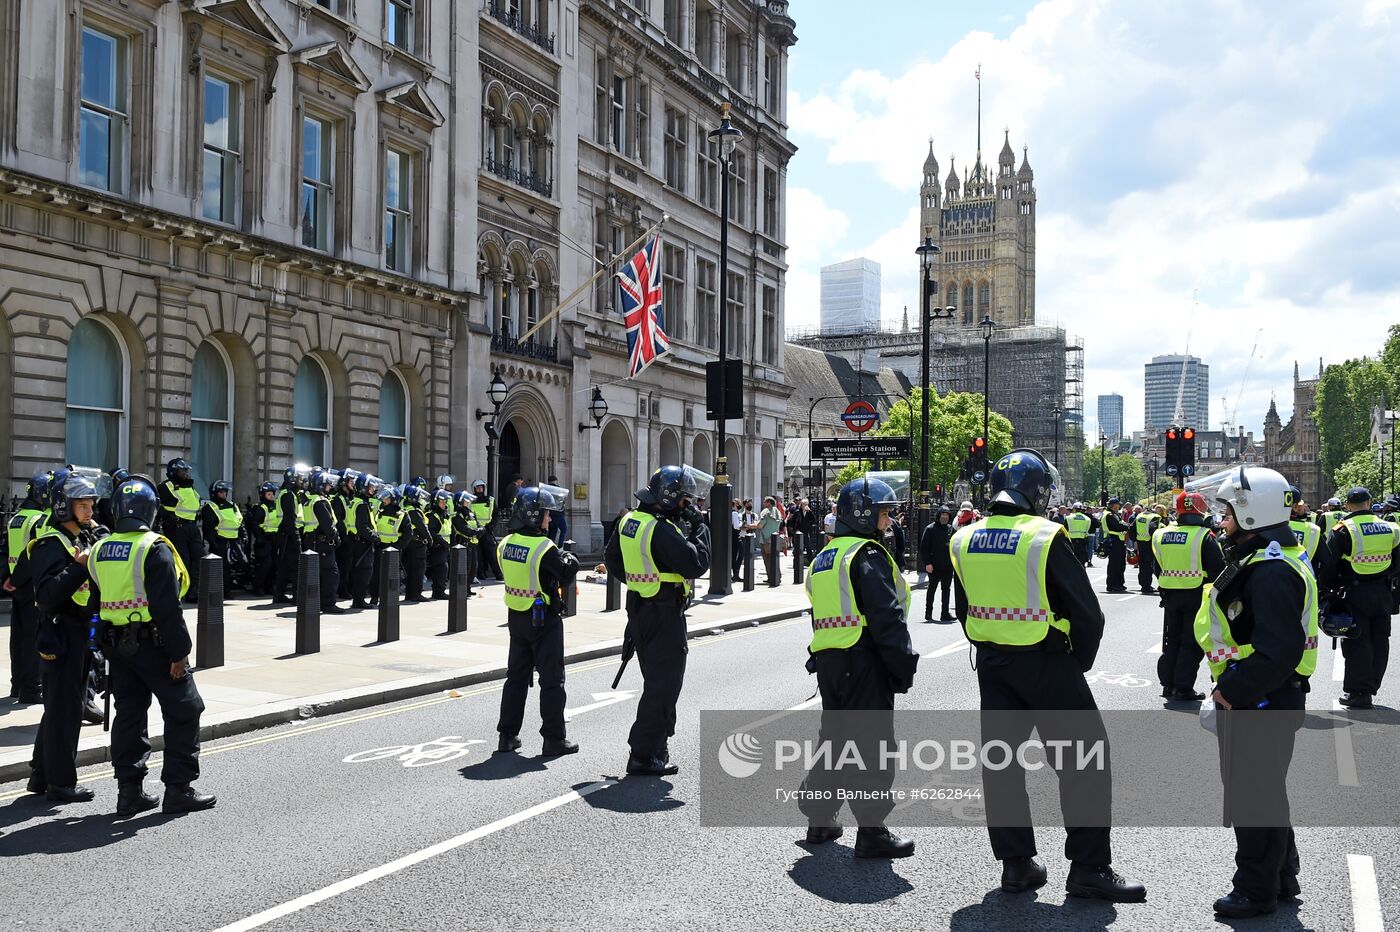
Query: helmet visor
1056,495
552,497
896,479
698,482
87,482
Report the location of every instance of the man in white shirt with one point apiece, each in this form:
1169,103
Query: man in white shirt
829,523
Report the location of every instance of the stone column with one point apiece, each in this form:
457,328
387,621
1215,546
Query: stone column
170,372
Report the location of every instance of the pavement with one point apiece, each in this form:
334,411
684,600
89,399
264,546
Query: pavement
400,817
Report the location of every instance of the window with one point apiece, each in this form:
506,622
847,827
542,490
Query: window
602,101
739,189
770,202
706,315
311,414
674,149
223,158
398,215
735,300
619,113
317,182
97,389
644,125
398,23
770,325
393,429
211,402
708,172
704,28
673,290
103,121
672,17
770,83
967,304
984,298
734,59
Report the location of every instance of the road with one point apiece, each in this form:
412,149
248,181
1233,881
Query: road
400,817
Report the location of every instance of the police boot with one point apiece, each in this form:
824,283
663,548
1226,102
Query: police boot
1021,874
880,842
1288,889
1355,701
821,834
181,797
558,747
69,794
1187,695
650,765
508,743
36,785
1236,905
132,798
1103,883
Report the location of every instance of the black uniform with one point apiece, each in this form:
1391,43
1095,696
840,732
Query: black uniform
266,549
1046,676
1367,651
464,532
209,523
933,551
289,542
414,541
64,632
185,535
345,550
1147,564
486,564
537,646
1181,654
25,670
325,540
362,567
437,522
657,629
1117,551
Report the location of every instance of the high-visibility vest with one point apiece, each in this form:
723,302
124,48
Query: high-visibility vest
388,527
1103,526
1309,536
1078,525
1213,621
482,511
230,519
271,517
519,557
20,532
81,596
1334,516
119,566
352,515
296,507
187,503
1001,563
1142,528
309,520
1372,540
444,529
1177,550
451,506
837,621
635,532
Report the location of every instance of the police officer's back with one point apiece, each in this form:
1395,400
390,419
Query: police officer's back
180,506
292,520
24,524
1360,561
1186,556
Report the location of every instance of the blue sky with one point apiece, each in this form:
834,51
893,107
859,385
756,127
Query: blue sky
1224,173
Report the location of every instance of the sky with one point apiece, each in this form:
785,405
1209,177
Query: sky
1215,176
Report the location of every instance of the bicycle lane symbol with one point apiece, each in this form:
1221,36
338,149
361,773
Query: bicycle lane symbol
440,751
1116,679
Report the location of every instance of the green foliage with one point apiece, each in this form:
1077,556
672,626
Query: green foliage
1362,468
1127,479
1345,396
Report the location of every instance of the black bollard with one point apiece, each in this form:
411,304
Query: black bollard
571,591
308,602
748,563
388,595
613,598
459,588
209,629
799,556
773,561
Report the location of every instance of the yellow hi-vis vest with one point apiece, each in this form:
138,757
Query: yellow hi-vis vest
296,508
186,506
230,519
1001,563
1372,540
352,515
272,517
81,596
119,566
1309,536
1212,625
1143,529
309,521
837,622
1078,525
444,520
20,532
520,556
634,534
388,527
482,511
1177,550
1103,526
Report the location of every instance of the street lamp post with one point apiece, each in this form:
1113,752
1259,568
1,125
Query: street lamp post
929,289
598,409
1103,470
726,136
1152,466
988,327
496,392
1056,412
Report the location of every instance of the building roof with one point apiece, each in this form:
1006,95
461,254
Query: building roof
814,374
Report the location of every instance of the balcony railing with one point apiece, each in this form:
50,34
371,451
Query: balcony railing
513,20
530,349
505,168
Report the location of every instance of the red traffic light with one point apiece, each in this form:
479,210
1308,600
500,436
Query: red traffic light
1171,436
979,444
1188,434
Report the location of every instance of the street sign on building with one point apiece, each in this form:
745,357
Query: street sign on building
860,416
874,448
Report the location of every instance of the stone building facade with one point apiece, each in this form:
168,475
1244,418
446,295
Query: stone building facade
1294,449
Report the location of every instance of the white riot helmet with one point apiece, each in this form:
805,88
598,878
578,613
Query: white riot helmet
1260,497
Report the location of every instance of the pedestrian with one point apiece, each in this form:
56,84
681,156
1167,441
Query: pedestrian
266,524
736,539
770,522
537,575
559,520
1115,534
829,524
180,506
294,479
966,515
322,536
141,579
440,530
1079,526
1258,629
861,661
25,669
657,563
221,520
938,561
484,508
1186,556
811,530
1026,604
1360,561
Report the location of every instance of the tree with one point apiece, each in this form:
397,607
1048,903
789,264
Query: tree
1345,396
1362,468
1126,477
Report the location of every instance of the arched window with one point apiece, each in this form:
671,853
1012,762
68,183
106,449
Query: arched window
311,414
393,429
539,150
984,298
967,305
211,408
97,397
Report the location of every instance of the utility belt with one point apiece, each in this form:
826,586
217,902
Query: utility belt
1054,642
175,520
125,640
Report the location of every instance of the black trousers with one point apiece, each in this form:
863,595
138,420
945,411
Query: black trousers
486,563
287,556
437,570
265,561
1084,549
1033,681
1181,655
25,673
852,681
362,580
534,650
1266,858
189,543
344,560
1367,652
415,560
1146,565
65,690
940,578
330,573
135,680
1117,562
657,629
741,543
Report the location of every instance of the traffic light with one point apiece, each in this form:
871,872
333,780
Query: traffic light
1181,452
1173,445
978,459
1188,451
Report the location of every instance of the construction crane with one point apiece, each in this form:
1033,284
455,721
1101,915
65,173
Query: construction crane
1179,412
1227,423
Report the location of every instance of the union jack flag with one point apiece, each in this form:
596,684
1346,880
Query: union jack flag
639,283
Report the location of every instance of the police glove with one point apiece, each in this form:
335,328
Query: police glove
569,559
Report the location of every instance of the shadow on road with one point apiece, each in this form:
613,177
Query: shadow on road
66,834
502,767
635,795
831,872
1014,912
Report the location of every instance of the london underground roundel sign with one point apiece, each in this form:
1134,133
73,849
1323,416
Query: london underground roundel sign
860,416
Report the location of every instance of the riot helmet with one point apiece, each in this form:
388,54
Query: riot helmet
859,504
1025,480
135,504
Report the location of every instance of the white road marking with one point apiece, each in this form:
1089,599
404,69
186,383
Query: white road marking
393,867
814,701
1157,649
601,700
1338,666
1365,897
1346,755
1125,598
953,648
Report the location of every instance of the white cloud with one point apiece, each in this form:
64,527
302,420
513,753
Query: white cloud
1247,152
814,229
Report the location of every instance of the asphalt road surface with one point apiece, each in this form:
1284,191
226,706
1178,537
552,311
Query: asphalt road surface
400,817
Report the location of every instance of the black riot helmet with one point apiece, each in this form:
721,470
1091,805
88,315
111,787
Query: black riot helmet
38,491
858,506
667,487
531,505
267,488
134,504
1025,480
72,483
178,470
220,485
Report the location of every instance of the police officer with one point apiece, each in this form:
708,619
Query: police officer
483,508
221,519
447,483
1143,527
1258,628
862,656
1080,527
1187,556
537,574
58,558
391,526
345,553
415,541
1114,534
294,479
322,535
1026,603
1328,517
25,670
657,559
179,502
267,522
141,579
440,530
1361,557
359,522
104,505
937,563
1305,530
466,533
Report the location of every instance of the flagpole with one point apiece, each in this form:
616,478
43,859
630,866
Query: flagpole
594,277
